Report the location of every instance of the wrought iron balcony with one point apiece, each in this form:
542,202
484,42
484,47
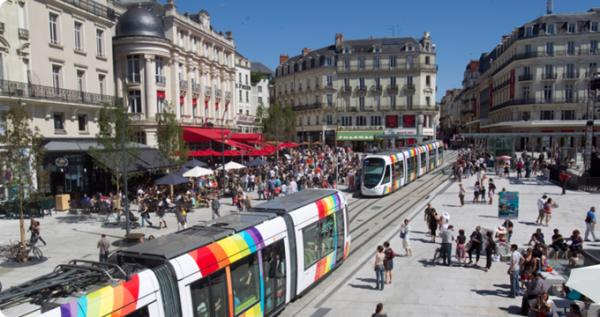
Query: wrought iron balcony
161,80
571,75
24,33
183,84
207,90
228,95
526,77
94,8
377,88
393,89
30,91
548,76
218,92
195,87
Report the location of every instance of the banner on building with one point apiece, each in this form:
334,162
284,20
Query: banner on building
508,205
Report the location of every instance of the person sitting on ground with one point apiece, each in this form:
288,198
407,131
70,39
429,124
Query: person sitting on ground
539,303
574,311
576,243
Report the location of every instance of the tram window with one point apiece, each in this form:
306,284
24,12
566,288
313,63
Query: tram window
319,240
399,170
340,225
274,275
140,312
200,298
409,163
441,152
386,178
245,283
201,291
311,245
423,160
327,235
431,157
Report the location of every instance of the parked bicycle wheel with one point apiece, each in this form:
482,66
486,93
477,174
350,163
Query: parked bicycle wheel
37,253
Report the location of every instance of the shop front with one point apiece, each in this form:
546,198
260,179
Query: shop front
358,141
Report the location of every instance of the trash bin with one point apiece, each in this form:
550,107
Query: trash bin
62,202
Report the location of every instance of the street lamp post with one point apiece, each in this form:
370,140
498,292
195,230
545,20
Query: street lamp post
223,146
304,136
128,228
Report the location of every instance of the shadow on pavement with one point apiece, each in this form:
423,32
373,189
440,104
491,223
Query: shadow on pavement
513,310
32,261
507,286
487,293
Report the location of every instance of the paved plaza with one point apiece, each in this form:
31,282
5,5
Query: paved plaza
418,289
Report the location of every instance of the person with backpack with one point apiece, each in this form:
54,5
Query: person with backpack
389,257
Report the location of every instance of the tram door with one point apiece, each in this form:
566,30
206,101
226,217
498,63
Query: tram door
274,276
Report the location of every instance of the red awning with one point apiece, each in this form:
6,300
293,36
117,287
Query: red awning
202,134
181,100
232,153
238,145
161,94
195,102
247,137
206,104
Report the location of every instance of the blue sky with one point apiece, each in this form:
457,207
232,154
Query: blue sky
461,29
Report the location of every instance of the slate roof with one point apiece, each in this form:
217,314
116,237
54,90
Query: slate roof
258,66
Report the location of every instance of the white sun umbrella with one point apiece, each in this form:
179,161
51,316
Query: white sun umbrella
585,280
197,172
232,166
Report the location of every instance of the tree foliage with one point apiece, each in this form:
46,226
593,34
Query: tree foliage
283,119
256,77
261,110
23,156
169,137
109,152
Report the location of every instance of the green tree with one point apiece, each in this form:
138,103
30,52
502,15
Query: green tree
22,156
284,119
169,137
256,77
109,152
261,110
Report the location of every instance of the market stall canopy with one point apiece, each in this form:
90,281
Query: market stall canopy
257,162
172,179
317,143
257,153
288,144
232,153
194,163
357,135
585,280
197,172
232,166
182,170
304,143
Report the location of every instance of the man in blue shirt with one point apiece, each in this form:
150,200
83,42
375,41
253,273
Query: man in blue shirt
590,224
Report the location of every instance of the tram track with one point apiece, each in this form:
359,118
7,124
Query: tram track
424,190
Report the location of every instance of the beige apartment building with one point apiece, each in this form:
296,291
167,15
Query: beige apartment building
56,59
536,80
356,90
163,56
449,113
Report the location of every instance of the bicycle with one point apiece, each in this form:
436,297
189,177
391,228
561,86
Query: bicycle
438,256
18,253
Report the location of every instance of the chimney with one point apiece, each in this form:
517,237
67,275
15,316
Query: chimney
504,37
474,66
339,39
306,51
283,58
448,93
549,6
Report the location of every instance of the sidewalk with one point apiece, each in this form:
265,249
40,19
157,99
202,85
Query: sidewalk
419,289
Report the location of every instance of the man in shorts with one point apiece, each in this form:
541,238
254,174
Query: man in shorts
542,212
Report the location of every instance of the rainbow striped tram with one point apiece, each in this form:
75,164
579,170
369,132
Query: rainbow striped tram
387,171
244,264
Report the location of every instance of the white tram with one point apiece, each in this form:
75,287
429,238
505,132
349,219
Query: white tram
386,172
248,264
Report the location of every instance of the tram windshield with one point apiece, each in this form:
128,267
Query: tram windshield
373,171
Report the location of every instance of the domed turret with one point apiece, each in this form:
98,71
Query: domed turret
139,21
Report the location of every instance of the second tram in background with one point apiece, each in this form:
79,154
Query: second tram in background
387,171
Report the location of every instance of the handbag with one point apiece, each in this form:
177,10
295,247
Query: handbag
402,234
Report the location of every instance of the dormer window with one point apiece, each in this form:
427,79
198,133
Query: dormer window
550,29
410,48
377,49
346,50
